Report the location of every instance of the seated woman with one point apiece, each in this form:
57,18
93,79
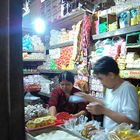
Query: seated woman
59,100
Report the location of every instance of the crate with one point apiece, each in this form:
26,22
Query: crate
112,22
103,24
133,39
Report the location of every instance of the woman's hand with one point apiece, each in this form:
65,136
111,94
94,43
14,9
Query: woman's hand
88,97
95,108
82,112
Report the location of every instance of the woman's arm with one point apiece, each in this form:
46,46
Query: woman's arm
89,97
82,112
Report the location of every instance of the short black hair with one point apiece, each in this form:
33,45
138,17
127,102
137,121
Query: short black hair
66,75
105,65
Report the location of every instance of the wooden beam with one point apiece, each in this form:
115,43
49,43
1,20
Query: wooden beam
11,95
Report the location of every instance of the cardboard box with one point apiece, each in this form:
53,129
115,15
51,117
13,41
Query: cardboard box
32,134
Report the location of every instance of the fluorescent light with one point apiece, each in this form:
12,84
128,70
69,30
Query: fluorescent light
39,25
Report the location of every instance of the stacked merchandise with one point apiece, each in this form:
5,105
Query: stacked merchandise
93,131
124,131
33,44
59,59
132,60
67,6
64,62
34,83
34,111
117,16
128,62
81,45
51,10
63,36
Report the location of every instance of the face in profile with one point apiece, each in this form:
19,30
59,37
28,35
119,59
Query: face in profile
66,86
107,80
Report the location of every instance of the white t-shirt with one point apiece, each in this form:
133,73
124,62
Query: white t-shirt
123,100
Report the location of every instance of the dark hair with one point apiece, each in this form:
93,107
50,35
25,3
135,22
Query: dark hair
66,75
105,65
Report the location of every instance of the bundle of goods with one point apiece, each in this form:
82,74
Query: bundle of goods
27,43
32,87
124,132
32,43
34,111
62,36
55,37
37,43
132,60
88,131
41,122
36,83
65,62
109,47
31,83
124,19
83,128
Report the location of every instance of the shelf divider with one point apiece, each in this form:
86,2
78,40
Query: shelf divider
117,32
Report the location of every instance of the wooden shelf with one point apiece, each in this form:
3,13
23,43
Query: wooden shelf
30,73
117,32
32,51
56,71
70,43
69,20
33,60
133,46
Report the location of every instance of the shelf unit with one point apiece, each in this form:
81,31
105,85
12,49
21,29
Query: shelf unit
120,32
117,32
65,22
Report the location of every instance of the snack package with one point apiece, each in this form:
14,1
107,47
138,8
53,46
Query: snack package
124,132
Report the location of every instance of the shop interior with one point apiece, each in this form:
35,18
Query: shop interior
65,35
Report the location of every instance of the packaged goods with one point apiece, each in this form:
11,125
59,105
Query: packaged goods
124,19
40,122
56,134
